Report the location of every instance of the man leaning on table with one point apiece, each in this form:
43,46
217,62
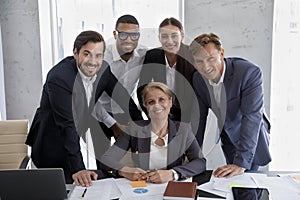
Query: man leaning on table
233,89
68,98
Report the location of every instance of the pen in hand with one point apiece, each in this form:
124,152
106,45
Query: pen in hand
147,174
84,192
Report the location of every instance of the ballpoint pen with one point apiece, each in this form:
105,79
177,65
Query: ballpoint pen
148,171
82,196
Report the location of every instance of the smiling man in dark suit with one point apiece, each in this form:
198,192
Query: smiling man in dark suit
70,92
233,89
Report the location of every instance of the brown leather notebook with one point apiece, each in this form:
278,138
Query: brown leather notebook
180,190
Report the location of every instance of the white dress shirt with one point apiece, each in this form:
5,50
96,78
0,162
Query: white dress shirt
217,87
158,154
127,74
88,85
170,75
87,148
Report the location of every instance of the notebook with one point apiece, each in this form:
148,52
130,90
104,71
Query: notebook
180,190
33,184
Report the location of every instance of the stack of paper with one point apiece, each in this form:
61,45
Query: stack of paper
101,189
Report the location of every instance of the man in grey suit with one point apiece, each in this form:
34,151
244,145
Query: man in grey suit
232,88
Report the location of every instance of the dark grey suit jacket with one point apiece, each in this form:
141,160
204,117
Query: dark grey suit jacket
243,123
181,144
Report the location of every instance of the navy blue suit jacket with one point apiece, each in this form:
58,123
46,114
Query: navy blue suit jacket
241,118
181,144
64,116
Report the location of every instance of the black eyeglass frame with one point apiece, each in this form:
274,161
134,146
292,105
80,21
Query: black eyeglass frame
124,35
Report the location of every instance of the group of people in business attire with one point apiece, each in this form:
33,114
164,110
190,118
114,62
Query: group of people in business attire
176,85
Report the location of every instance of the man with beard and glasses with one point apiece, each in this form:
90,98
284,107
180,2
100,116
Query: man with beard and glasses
69,94
125,58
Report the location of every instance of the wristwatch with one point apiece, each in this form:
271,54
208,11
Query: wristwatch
175,175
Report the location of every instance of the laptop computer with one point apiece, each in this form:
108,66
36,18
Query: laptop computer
34,184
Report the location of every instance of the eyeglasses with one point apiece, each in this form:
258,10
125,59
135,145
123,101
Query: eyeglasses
124,35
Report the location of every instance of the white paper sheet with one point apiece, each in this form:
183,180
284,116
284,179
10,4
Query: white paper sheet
225,184
221,186
293,175
103,189
208,187
282,188
279,187
154,191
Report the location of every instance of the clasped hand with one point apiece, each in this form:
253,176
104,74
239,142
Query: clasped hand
157,176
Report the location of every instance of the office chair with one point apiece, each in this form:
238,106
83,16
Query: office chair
13,150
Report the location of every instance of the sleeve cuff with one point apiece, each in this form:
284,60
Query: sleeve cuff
109,121
175,175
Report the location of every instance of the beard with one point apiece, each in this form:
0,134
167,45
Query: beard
87,71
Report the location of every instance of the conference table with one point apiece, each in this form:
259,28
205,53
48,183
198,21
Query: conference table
205,178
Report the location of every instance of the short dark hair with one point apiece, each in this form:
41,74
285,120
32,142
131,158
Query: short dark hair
127,19
87,36
171,21
204,39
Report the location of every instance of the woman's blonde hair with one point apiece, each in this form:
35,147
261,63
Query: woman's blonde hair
157,85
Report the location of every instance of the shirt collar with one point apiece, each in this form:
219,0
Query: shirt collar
168,66
116,55
87,79
154,137
221,79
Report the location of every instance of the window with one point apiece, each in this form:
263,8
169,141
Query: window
62,21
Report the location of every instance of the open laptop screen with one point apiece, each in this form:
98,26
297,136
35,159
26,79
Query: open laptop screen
34,184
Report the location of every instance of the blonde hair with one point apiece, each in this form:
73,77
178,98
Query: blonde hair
157,85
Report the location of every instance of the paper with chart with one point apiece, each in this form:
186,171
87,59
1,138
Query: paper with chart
151,191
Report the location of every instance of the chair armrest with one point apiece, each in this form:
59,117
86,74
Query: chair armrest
24,162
